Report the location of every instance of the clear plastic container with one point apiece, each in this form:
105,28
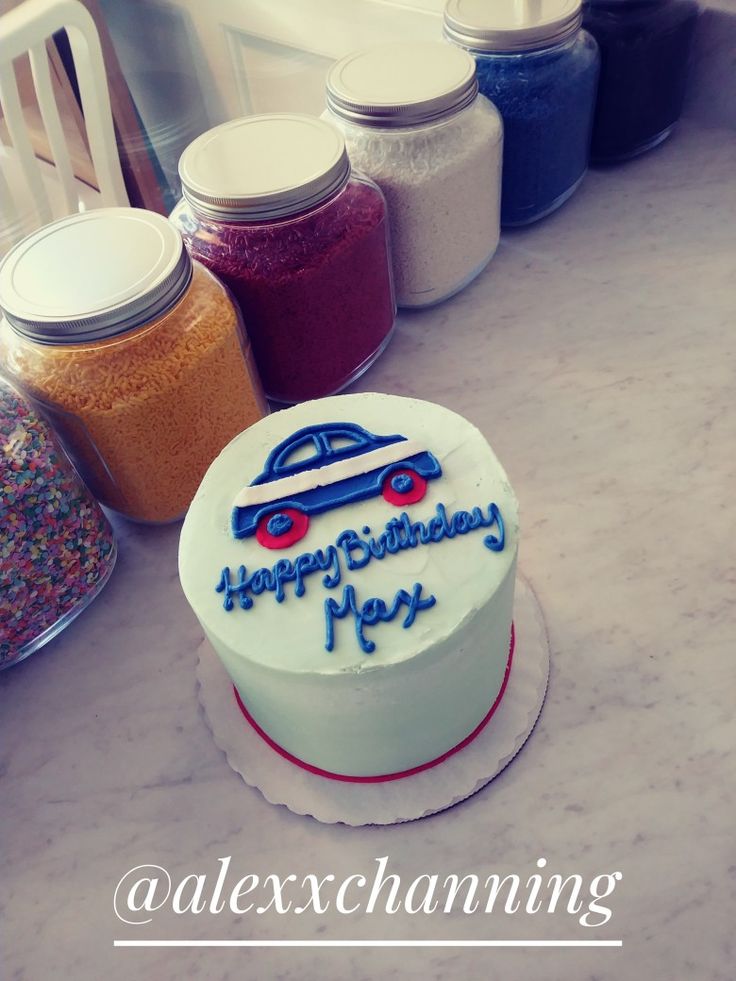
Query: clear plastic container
645,48
135,354
414,122
540,70
271,206
57,548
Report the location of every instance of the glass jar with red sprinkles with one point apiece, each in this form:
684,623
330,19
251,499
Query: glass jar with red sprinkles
57,548
271,206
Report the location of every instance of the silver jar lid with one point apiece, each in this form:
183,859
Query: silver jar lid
266,166
511,25
93,275
402,84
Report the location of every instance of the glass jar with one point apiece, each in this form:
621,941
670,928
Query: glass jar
414,122
645,47
135,354
541,71
271,206
57,548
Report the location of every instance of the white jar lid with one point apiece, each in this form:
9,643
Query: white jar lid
264,166
93,275
402,84
511,25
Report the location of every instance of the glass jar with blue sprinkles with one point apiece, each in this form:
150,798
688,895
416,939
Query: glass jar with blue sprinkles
540,69
645,47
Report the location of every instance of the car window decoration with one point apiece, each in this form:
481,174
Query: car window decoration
341,444
344,441
285,459
303,452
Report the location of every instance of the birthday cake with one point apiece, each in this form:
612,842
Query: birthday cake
352,562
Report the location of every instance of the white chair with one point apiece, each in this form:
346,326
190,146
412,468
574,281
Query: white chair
33,192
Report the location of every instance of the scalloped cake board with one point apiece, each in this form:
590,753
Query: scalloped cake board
410,798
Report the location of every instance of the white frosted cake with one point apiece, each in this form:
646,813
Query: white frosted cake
352,562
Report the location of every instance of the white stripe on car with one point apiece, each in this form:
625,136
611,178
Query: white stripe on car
331,474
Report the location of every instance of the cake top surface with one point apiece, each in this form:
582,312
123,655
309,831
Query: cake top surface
347,534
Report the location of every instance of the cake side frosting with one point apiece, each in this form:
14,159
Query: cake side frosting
378,638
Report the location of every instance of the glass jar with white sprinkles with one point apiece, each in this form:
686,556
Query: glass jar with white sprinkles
414,122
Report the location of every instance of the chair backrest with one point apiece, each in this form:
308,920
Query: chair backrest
25,29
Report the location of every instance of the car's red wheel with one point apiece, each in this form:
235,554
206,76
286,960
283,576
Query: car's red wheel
282,528
404,487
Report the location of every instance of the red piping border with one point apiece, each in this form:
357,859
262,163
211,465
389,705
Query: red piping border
384,778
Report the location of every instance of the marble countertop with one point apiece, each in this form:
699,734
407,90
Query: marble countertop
596,354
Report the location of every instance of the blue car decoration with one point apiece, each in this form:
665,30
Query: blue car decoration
322,467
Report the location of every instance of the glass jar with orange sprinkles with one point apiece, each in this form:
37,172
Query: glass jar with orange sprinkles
134,353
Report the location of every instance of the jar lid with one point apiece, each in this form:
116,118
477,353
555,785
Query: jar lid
511,25
402,84
93,275
264,166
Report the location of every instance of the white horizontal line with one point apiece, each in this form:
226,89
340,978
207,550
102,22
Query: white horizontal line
331,473
368,943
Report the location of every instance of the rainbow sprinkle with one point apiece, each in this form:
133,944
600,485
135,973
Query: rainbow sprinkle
56,545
